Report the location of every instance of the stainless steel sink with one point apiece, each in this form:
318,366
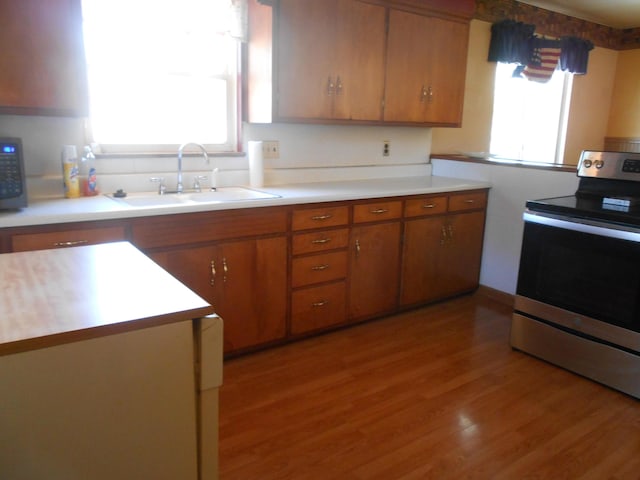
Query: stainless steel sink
221,195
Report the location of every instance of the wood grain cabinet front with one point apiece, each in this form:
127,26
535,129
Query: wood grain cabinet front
318,307
277,273
357,61
319,217
319,267
425,71
442,252
374,256
65,238
330,61
245,281
43,57
235,259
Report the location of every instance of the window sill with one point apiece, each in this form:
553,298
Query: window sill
506,162
166,154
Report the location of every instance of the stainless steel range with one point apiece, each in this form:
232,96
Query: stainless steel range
578,297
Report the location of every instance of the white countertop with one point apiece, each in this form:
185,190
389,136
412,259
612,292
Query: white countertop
43,211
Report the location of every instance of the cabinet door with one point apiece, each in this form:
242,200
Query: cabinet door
245,281
359,48
305,57
374,260
43,58
330,59
423,242
195,267
461,263
426,63
447,73
441,257
251,291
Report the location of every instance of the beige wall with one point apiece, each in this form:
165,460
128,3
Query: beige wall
588,113
624,117
590,105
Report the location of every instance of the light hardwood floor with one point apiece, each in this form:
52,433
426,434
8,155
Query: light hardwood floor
433,393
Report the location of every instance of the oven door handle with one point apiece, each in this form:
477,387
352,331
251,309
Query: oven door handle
592,228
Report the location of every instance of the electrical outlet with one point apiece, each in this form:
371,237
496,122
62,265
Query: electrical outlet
271,149
386,149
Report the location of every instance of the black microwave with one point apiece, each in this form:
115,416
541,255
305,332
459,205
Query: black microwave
13,183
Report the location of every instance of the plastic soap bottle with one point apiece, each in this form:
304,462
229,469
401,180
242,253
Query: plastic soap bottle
88,175
70,176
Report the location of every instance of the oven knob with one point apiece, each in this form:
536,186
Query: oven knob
587,163
599,163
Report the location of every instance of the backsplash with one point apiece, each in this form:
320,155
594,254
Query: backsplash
307,153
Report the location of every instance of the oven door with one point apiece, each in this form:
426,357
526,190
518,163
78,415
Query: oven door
582,276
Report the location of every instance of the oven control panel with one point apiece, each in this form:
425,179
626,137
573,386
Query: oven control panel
613,165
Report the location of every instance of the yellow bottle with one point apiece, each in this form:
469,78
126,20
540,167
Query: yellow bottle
70,172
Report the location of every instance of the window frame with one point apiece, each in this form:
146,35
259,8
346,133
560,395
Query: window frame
562,119
233,145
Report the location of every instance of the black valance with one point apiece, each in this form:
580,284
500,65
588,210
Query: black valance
574,55
511,42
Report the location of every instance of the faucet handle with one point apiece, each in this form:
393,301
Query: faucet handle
161,186
196,182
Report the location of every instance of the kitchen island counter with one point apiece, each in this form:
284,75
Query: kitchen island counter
51,297
106,367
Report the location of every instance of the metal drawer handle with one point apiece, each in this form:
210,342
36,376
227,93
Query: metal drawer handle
321,303
70,243
212,281
379,211
321,240
429,205
320,267
321,217
470,200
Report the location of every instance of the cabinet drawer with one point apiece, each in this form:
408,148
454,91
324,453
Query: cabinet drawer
190,228
320,241
318,268
467,201
318,307
319,217
417,207
373,212
66,238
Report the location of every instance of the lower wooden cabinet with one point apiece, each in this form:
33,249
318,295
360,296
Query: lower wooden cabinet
319,268
318,307
65,238
278,273
246,282
374,260
442,254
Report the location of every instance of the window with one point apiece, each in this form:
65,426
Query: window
530,118
161,73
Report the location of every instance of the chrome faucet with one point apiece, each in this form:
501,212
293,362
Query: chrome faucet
179,187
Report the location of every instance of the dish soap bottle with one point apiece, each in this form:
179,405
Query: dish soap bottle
88,175
70,177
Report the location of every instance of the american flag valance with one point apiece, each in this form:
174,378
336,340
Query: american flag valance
537,57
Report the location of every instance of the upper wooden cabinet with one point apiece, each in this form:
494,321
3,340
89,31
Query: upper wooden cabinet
43,68
426,65
330,60
357,61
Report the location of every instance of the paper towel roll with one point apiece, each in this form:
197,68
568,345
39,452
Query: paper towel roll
256,163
